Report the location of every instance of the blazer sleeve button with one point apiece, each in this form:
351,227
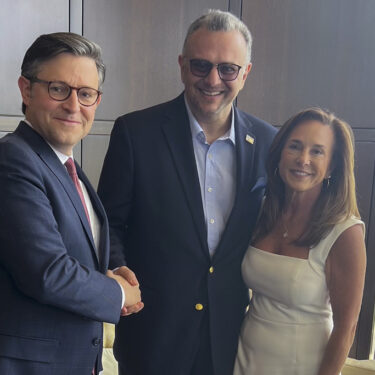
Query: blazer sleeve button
96,342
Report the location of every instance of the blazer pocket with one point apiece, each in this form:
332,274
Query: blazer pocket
260,183
28,348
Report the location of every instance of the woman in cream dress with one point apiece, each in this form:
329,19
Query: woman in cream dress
306,264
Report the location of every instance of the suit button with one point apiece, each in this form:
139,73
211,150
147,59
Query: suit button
198,307
211,270
96,342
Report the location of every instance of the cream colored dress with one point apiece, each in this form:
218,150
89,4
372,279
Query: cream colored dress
289,321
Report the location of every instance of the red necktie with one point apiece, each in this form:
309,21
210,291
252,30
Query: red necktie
70,166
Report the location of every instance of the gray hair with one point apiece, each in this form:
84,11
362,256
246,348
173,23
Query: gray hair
217,20
48,46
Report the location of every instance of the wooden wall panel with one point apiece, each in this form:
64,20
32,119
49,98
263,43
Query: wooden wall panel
309,53
364,165
21,22
94,148
365,178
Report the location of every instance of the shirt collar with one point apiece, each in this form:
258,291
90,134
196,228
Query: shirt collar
62,157
197,131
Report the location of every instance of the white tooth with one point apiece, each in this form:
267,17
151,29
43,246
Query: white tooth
211,93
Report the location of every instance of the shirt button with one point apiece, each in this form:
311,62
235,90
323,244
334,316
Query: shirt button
210,156
212,221
209,189
198,307
211,270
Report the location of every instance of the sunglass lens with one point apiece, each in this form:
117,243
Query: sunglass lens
228,72
200,68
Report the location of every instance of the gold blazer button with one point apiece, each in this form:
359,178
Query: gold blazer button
198,307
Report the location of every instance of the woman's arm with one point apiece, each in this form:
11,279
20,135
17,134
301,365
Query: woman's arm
345,274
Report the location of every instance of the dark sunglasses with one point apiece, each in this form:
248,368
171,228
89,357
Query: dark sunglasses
202,68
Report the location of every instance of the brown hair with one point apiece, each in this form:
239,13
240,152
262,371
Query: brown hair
337,199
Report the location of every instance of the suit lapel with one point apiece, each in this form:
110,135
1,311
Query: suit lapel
51,160
100,212
245,147
177,132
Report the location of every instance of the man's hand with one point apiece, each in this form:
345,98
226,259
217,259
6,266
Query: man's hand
127,274
132,309
128,281
130,277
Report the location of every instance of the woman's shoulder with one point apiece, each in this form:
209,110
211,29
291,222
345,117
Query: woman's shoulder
348,232
350,235
347,226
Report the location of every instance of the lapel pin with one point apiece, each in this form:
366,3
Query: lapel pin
249,139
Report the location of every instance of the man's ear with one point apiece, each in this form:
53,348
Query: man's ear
182,63
244,75
247,70
99,99
180,60
25,87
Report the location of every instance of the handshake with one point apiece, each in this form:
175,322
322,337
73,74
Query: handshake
129,283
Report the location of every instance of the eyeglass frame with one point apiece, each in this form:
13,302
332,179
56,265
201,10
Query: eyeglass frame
71,88
217,67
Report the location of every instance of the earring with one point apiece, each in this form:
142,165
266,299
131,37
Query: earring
327,181
276,171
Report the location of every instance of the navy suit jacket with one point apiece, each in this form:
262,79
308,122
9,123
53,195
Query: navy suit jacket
150,189
52,285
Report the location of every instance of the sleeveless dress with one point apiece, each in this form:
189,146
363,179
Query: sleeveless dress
288,324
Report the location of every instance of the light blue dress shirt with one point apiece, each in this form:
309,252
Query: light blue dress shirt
216,165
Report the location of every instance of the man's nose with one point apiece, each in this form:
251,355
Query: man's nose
213,77
72,104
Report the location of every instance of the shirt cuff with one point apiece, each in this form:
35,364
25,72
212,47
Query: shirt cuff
123,297
122,290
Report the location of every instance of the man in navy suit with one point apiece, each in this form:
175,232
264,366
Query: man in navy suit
182,184
54,242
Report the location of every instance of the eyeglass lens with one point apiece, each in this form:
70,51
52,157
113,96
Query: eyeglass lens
201,68
61,91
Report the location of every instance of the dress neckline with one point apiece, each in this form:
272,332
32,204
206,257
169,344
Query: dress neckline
280,255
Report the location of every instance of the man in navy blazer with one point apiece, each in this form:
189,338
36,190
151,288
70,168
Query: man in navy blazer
182,185
54,242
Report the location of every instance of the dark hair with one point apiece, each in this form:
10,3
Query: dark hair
217,20
336,202
48,46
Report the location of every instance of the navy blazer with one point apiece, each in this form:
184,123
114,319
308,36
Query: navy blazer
150,189
52,284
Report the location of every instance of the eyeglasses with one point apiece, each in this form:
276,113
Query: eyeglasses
202,68
61,91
